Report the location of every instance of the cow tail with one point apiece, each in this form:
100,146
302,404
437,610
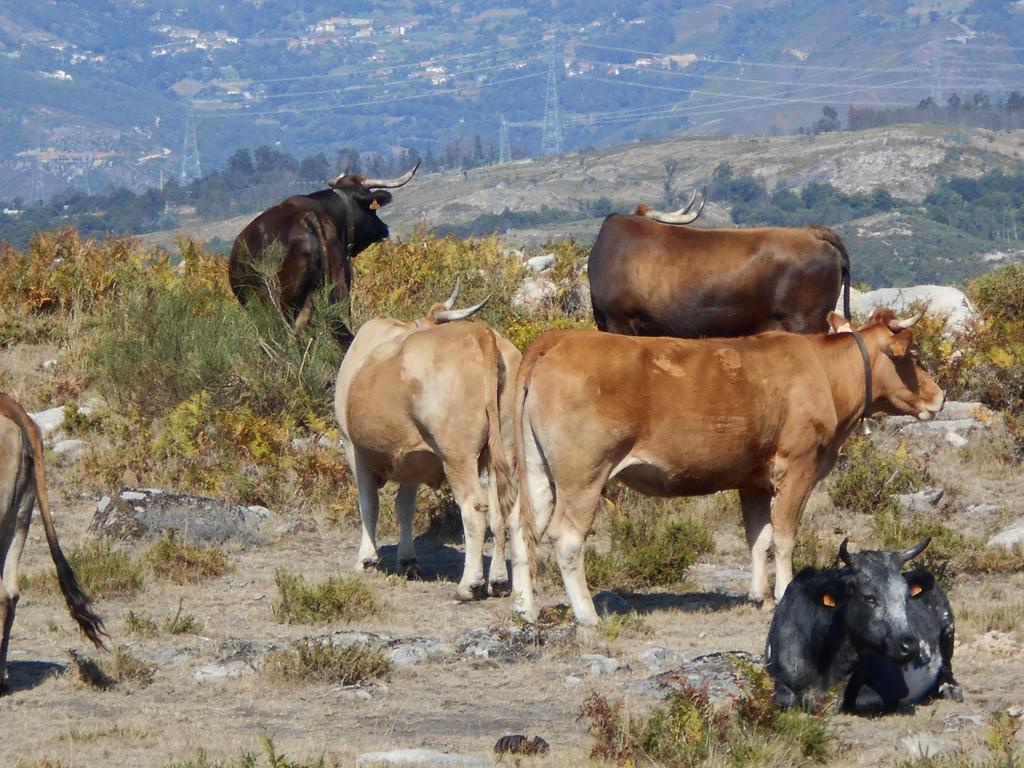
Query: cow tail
830,237
501,470
78,602
527,518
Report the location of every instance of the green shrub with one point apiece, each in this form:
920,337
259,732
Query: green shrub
868,479
320,661
249,760
103,570
342,599
647,552
140,625
181,562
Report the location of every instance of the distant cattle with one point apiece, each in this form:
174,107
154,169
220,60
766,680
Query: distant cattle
651,279
765,414
22,484
419,402
884,636
318,234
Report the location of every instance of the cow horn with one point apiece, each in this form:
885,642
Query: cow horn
451,315
844,553
682,216
455,295
689,205
391,183
909,554
909,322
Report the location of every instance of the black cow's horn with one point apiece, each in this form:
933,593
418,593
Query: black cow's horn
683,215
391,183
451,315
909,322
910,554
844,553
455,295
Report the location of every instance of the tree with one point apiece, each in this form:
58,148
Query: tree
669,184
829,120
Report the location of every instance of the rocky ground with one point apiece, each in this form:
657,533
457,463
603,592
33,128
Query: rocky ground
464,674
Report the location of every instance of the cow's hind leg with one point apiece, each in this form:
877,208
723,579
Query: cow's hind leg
757,511
497,575
570,526
405,508
471,498
369,511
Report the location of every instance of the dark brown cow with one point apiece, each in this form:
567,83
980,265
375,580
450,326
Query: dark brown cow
650,279
319,233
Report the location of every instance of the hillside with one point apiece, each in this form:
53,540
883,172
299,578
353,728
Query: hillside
909,161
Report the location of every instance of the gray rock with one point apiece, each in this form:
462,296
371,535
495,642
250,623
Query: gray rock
956,440
510,643
959,721
597,665
540,263
922,745
287,528
416,650
657,659
717,669
420,758
70,449
144,514
534,293
1009,537
51,421
983,509
220,670
922,501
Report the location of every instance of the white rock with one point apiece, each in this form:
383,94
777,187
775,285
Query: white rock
220,670
69,448
921,745
540,263
957,441
597,665
533,293
944,300
1009,537
49,364
420,758
51,420
132,495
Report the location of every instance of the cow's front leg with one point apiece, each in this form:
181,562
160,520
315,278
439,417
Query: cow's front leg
471,498
786,513
405,508
757,510
369,511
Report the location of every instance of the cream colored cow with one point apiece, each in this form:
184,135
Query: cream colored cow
22,483
419,402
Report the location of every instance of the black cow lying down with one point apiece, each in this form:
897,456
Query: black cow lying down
886,636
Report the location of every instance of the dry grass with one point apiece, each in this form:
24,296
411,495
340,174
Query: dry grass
183,563
334,599
319,661
103,569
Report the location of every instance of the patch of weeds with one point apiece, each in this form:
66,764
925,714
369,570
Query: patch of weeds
140,625
625,625
320,661
688,730
124,667
251,760
43,764
182,624
345,599
869,479
1007,617
183,563
813,547
88,671
1004,750
647,552
78,424
997,559
106,570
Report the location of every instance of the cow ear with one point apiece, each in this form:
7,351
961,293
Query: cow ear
828,599
915,589
838,324
900,344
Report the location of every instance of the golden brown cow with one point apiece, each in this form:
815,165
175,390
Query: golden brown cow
419,402
651,279
764,414
22,484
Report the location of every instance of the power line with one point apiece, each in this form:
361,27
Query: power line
504,148
551,135
190,166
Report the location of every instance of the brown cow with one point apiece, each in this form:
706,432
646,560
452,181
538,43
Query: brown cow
765,414
319,234
419,402
22,484
650,279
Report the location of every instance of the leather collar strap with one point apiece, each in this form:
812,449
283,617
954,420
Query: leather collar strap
867,373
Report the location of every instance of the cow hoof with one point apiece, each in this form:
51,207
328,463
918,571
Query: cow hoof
500,588
369,564
951,691
409,569
468,592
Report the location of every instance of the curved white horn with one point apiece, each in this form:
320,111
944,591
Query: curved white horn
455,295
910,322
392,183
451,315
689,205
682,216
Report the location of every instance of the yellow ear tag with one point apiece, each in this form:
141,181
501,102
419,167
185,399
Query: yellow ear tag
828,600
374,205
915,590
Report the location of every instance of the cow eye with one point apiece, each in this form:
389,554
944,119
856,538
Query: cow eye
870,600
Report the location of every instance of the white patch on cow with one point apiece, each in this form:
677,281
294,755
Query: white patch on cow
920,674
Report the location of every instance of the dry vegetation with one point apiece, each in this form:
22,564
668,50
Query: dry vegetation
192,394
